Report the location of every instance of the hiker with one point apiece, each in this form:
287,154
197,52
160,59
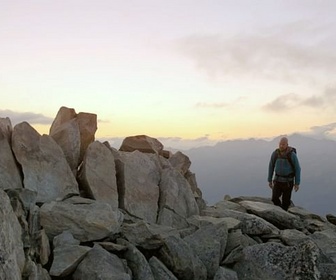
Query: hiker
285,167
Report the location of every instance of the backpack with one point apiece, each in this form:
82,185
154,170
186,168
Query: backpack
289,157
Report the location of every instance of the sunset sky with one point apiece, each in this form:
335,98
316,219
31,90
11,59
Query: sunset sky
198,71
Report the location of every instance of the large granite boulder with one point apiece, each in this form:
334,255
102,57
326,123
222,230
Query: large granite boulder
138,180
86,219
74,133
142,143
45,169
177,201
97,175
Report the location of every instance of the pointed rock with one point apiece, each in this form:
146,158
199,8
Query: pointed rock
6,129
66,259
101,265
97,176
67,136
65,238
180,161
74,133
160,271
137,262
44,166
87,123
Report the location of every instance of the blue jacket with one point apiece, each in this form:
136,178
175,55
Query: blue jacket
281,169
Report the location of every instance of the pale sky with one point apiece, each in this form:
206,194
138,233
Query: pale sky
196,71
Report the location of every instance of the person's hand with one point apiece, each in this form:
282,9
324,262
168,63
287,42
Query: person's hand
270,184
296,188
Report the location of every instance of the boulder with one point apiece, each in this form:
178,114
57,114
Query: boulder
224,273
97,175
87,123
179,258
45,169
273,214
160,271
142,143
277,261
86,219
138,180
6,129
180,161
12,257
66,259
99,264
35,271
10,177
74,133
326,241
145,235
177,201
209,244
137,262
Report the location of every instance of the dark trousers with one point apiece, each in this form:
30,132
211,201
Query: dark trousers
284,190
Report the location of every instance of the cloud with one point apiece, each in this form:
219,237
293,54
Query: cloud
327,131
30,117
266,53
288,101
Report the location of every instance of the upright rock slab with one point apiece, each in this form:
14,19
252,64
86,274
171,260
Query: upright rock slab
177,201
139,176
44,166
10,177
74,133
97,175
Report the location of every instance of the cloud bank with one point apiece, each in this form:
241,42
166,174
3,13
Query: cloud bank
30,117
278,53
287,102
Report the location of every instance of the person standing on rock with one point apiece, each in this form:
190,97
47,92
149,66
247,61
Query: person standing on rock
284,174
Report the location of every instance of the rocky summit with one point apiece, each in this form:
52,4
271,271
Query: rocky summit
72,207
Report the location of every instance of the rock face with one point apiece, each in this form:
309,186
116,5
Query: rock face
75,208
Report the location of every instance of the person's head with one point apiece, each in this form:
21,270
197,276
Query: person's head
283,144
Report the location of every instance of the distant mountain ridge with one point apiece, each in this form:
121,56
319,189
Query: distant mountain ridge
239,167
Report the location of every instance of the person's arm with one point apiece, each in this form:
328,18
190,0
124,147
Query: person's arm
297,169
297,178
271,166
